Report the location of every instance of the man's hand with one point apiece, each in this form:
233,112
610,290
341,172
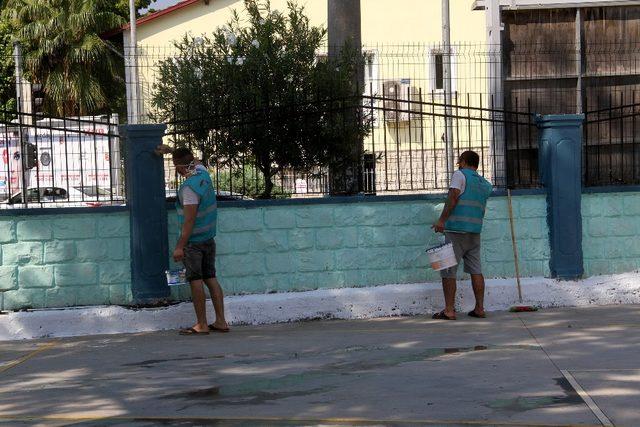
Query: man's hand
163,149
438,227
178,254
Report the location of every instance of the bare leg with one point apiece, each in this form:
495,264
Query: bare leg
199,304
449,287
477,282
217,298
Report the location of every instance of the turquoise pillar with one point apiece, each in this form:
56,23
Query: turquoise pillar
561,174
148,212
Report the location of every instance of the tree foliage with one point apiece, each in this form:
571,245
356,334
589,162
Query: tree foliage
257,88
63,50
7,86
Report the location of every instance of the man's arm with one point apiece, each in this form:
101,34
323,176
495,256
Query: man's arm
190,213
450,205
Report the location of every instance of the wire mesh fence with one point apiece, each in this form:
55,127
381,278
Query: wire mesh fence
410,144
57,162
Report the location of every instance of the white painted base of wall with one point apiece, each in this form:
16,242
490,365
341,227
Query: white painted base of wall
349,303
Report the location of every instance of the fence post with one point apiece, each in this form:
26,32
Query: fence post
561,173
147,211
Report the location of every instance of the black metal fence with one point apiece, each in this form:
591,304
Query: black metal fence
411,144
611,154
59,162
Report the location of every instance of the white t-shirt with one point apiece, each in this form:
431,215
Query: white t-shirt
187,195
458,181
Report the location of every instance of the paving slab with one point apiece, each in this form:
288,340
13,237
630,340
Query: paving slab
504,370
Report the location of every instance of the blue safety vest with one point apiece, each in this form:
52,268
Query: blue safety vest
469,212
207,216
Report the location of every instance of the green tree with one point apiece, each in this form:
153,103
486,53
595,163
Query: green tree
63,51
256,88
121,7
7,86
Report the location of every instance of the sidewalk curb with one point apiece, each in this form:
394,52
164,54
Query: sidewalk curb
345,303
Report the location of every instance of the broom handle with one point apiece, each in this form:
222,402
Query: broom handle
515,247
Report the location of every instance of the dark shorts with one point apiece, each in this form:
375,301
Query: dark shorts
466,246
200,260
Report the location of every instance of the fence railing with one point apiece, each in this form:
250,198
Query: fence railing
59,161
410,144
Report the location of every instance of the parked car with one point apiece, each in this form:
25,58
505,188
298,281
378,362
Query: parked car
73,197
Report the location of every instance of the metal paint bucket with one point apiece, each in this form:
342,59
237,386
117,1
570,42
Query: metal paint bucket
176,277
442,257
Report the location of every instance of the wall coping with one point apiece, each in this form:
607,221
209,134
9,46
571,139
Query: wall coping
63,211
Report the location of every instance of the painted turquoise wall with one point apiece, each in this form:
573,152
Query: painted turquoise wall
610,229
298,248
84,259
64,260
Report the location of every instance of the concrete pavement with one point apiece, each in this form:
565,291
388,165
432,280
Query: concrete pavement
553,367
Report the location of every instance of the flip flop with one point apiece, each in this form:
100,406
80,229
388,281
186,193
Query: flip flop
442,316
473,313
214,328
191,331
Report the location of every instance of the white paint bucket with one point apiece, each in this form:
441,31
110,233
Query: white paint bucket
176,277
442,257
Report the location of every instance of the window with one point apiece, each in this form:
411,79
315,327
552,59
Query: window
438,72
435,71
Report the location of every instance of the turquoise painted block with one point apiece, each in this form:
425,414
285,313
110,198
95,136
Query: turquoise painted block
528,228
333,238
92,295
37,230
100,250
314,217
426,213
598,227
61,297
8,278
240,265
58,251
240,220
529,207
498,253
114,273
346,215
401,214
279,263
73,227
314,261
22,253
376,236
613,207
623,226
331,280
372,215
279,217
411,235
497,208
497,230
350,259
7,231
24,298
407,257
534,249
114,225
271,241
305,281
412,275
300,239
35,276
380,277
80,274
631,204
379,258
241,243
277,282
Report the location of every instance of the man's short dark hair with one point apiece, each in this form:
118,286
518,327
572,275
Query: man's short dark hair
182,154
471,158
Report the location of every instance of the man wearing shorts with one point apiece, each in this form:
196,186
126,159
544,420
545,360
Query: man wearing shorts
461,222
196,248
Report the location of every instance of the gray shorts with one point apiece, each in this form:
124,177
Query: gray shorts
200,260
466,246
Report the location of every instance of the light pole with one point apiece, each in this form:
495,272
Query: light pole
131,63
446,42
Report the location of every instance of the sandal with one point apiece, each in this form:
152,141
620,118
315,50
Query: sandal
473,313
192,331
214,328
442,316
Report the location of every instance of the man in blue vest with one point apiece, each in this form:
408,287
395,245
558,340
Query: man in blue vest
196,248
461,221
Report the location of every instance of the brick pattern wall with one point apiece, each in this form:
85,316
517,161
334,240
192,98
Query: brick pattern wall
297,248
64,260
610,229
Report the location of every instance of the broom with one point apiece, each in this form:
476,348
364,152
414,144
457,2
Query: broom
518,308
